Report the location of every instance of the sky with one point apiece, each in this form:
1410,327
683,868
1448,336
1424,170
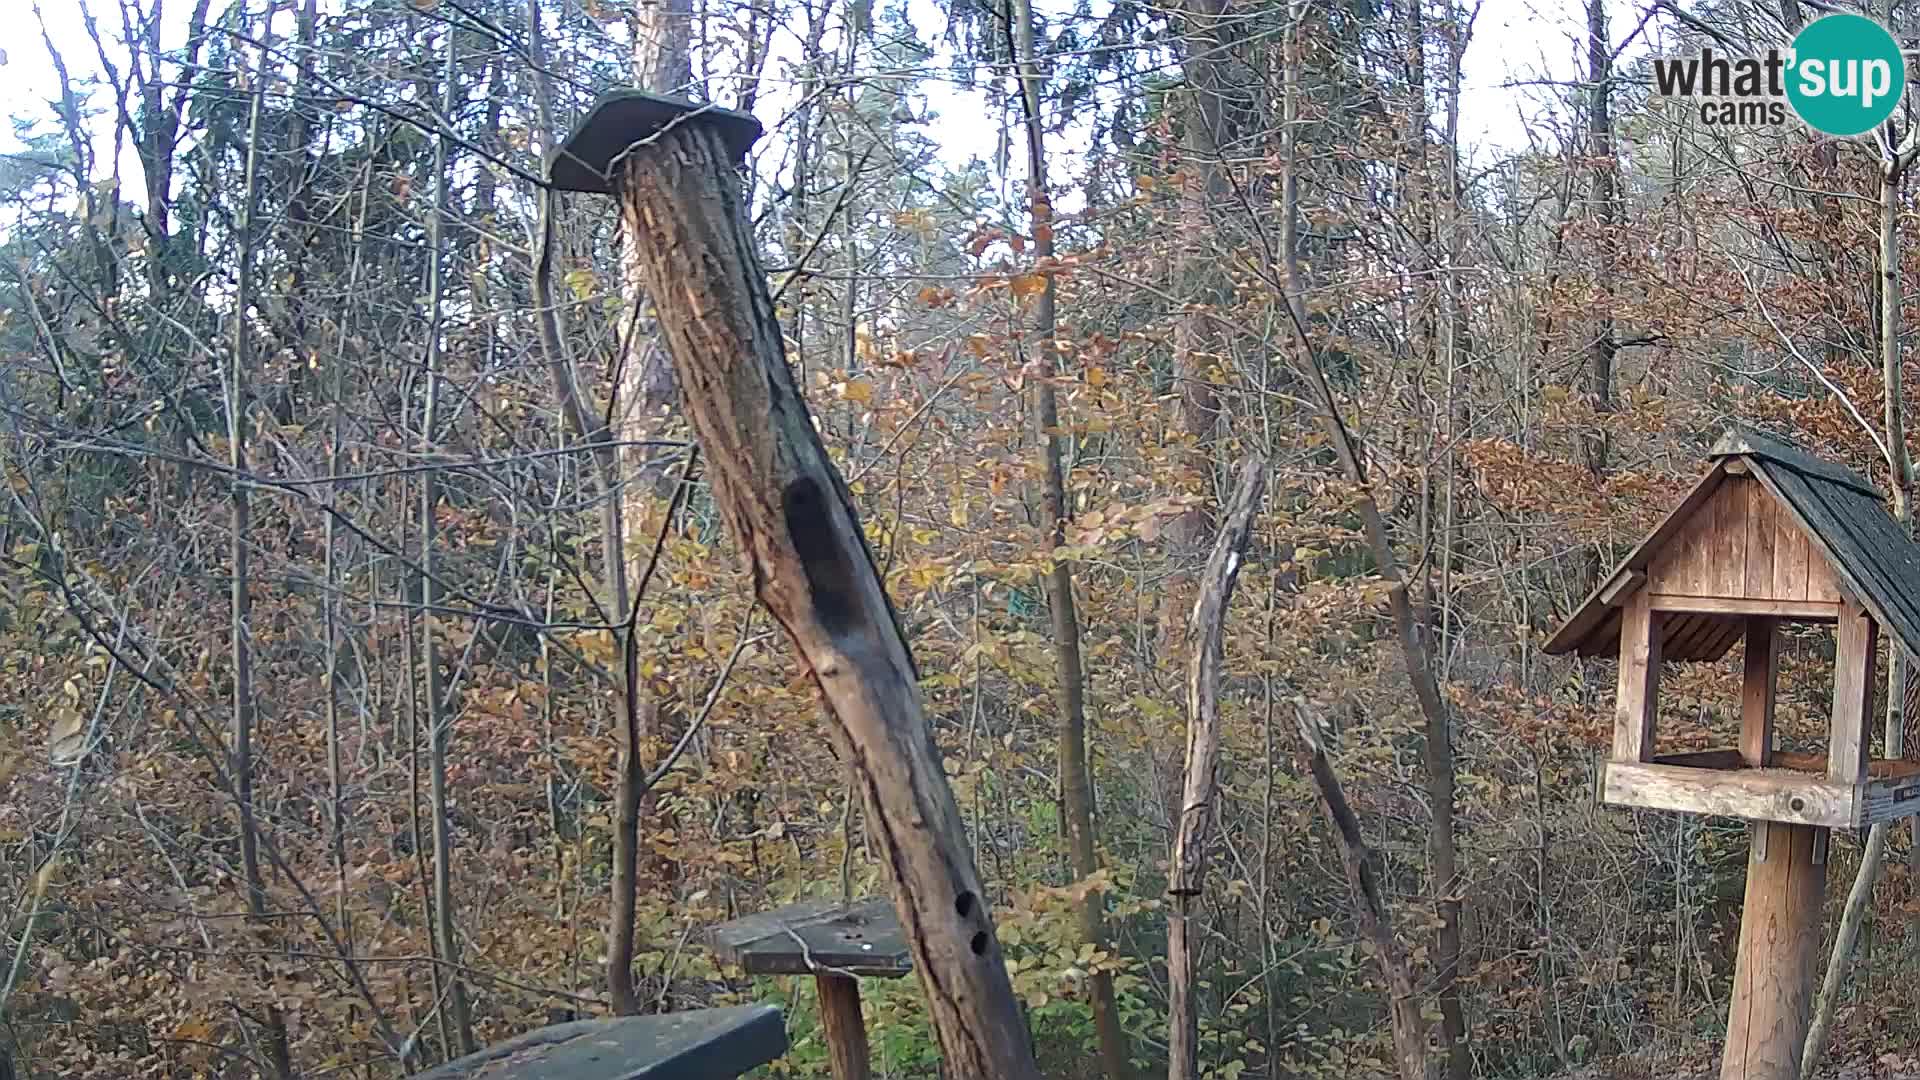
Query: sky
1519,48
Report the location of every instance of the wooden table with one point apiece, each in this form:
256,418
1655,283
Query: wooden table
837,944
698,1044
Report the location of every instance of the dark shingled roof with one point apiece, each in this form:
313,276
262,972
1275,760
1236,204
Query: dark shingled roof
1845,519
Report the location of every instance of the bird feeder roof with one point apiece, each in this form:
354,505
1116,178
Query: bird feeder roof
1845,522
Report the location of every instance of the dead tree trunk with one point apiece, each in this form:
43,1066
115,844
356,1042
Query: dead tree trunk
1370,906
1206,642
787,507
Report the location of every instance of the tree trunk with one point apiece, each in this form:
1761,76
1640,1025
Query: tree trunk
1197,278
1900,469
1369,906
1606,212
1076,780
439,724
1409,617
1206,643
787,507
241,584
643,391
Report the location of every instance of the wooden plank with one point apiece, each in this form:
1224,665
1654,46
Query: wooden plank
1762,518
1822,586
1757,684
846,1030
858,939
1801,610
1854,641
1591,613
1831,535
1879,768
1625,580
1725,633
1727,551
1682,635
1779,951
671,1046
1753,794
1636,702
1703,759
1789,558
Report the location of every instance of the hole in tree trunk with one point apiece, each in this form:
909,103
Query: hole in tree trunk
822,556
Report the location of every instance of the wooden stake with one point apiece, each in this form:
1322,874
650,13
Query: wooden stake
788,511
846,1031
1779,948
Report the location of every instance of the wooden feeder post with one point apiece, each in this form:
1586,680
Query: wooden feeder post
1771,535
838,945
674,165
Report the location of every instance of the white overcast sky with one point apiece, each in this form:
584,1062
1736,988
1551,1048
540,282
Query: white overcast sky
1517,48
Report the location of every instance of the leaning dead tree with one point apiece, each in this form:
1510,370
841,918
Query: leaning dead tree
673,167
1206,638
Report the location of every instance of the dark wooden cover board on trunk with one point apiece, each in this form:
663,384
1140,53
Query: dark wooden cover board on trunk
693,1045
622,118
1844,517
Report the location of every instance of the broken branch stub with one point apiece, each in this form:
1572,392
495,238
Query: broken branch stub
787,507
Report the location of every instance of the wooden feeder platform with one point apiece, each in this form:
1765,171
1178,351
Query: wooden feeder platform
838,944
1792,788
860,940
694,1045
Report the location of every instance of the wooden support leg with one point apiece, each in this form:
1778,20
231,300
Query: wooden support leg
846,1031
1774,973
1757,692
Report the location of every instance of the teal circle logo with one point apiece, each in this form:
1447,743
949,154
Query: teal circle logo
1847,75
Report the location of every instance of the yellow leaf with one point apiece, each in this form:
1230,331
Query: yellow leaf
581,282
859,390
1028,285
44,878
67,743
958,515
1096,376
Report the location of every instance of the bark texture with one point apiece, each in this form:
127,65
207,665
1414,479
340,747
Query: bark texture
1206,644
787,508
1370,907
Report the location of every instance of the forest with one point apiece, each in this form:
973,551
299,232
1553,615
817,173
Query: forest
1231,423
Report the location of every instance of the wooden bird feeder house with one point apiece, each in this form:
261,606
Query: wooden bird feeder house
1770,536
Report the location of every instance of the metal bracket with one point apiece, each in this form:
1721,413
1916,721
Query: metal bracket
1822,836
1757,836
